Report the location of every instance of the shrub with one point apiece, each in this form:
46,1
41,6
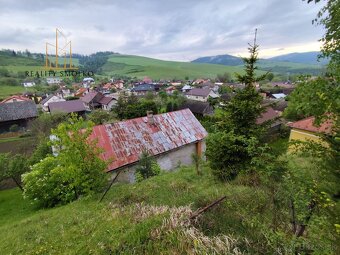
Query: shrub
76,171
228,154
147,167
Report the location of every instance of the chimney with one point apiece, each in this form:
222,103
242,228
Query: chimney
149,115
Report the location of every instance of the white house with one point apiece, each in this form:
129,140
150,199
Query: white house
50,99
28,84
201,94
279,95
53,80
107,102
186,88
87,82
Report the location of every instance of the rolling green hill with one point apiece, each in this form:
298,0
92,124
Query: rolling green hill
295,63
290,67
159,69
138,66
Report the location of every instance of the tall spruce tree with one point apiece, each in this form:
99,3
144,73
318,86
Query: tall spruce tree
245,107
230,149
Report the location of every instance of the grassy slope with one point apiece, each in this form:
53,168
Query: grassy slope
86,226
159,69
112,227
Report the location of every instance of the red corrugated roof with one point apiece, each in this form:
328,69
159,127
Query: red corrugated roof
308,125
124,141
17,97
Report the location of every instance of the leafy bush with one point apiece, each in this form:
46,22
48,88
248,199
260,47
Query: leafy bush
228,154
12,167
76,171
99,116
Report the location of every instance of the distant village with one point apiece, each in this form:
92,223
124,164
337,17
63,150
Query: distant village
83,97
200,98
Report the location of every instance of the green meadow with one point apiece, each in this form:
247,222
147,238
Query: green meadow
140,67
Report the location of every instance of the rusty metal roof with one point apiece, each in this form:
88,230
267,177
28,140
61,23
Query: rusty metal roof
124,141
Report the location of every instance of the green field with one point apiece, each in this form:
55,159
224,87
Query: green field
138,66
6,90
159,69
18,61
291,68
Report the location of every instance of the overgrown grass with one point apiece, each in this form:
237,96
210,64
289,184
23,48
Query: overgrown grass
124,224
279,145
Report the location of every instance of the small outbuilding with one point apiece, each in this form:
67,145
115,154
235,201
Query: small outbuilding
170,137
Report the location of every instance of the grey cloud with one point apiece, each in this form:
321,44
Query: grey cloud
170,29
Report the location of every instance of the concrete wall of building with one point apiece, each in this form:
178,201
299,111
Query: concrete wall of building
53,99
167,161
197,98
303,135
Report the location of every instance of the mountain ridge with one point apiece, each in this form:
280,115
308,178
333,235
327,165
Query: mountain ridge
310,58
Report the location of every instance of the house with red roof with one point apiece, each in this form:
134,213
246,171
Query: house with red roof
15,98
307,130
170,137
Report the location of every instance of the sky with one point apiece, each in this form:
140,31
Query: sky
166,29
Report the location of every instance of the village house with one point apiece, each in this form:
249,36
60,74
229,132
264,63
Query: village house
147,80
169,90
201,94
53,80
277,95
143,89
186,88
106,88
119,84
108,102
176,83
305,130
15,98
91,100
64,92
171,137
17,112
50,99
198,81
81,92
198,108
273,116
87,82
94,100
28,84
72,106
